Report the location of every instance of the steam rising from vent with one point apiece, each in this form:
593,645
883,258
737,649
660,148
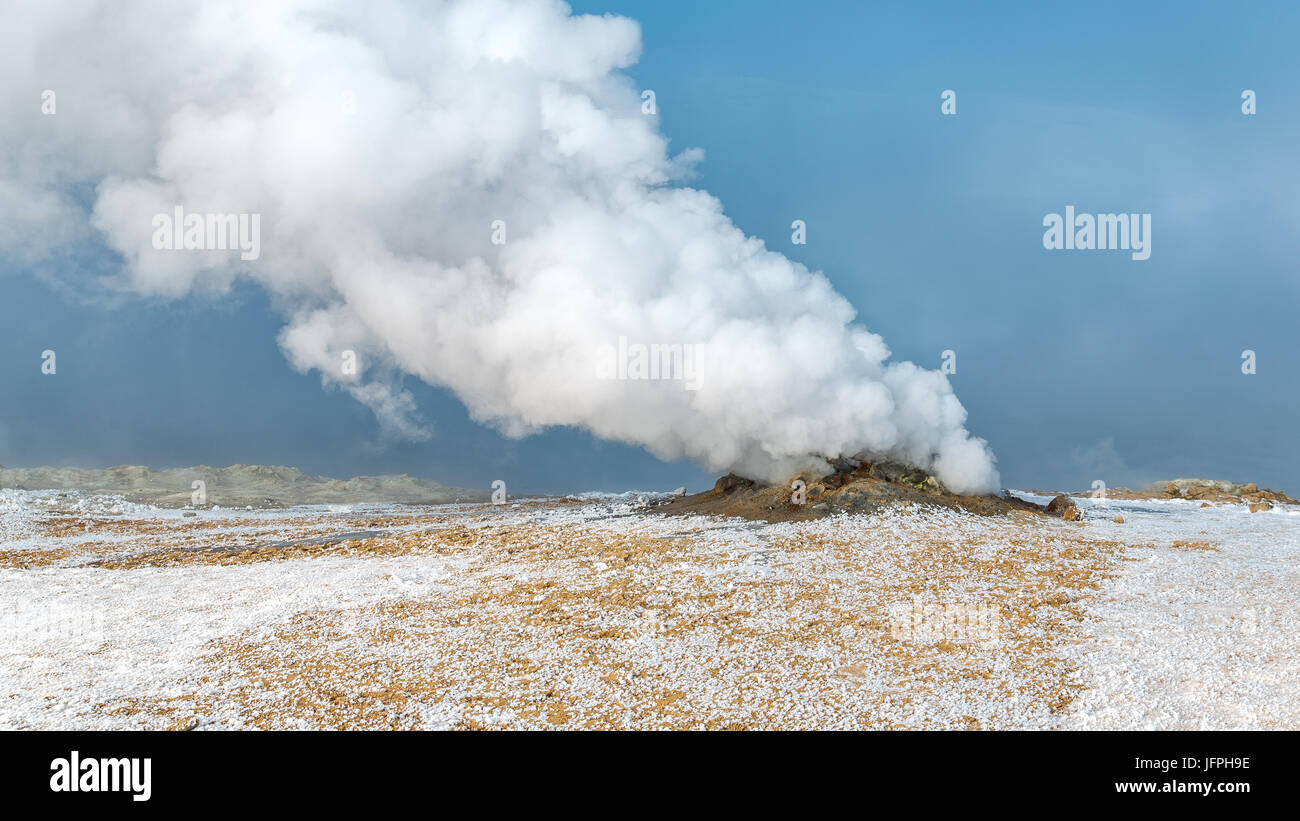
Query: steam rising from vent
379,145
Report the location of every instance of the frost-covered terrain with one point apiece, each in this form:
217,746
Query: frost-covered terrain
598,612
1198,630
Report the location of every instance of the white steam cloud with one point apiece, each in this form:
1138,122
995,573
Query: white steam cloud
379,142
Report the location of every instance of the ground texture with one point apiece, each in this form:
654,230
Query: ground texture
602,612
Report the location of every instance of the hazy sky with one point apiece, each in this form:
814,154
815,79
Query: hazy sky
1074,365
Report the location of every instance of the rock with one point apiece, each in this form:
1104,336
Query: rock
1119,520
1064,507
846,464
1060,504
681,491
833,481
898,473
730,481
1199,487
187,514
1260,507
1212,490
1205,504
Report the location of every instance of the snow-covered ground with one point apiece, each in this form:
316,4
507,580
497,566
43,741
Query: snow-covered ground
1193,638
593,613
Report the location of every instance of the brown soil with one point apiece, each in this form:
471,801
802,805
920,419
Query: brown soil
667,636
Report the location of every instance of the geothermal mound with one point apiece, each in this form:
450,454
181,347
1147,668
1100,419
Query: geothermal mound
855,486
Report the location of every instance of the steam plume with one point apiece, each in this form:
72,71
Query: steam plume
379,143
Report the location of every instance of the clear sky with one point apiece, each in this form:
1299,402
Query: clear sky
1075,366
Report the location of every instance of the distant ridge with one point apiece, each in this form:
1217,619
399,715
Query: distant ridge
237,486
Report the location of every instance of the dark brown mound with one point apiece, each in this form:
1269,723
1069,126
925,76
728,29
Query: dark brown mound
854,487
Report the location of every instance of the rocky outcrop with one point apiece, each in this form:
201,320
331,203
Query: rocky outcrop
1059,504
1064,507
1213,490
1205,491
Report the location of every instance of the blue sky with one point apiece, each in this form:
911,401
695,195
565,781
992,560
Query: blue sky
1075,366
